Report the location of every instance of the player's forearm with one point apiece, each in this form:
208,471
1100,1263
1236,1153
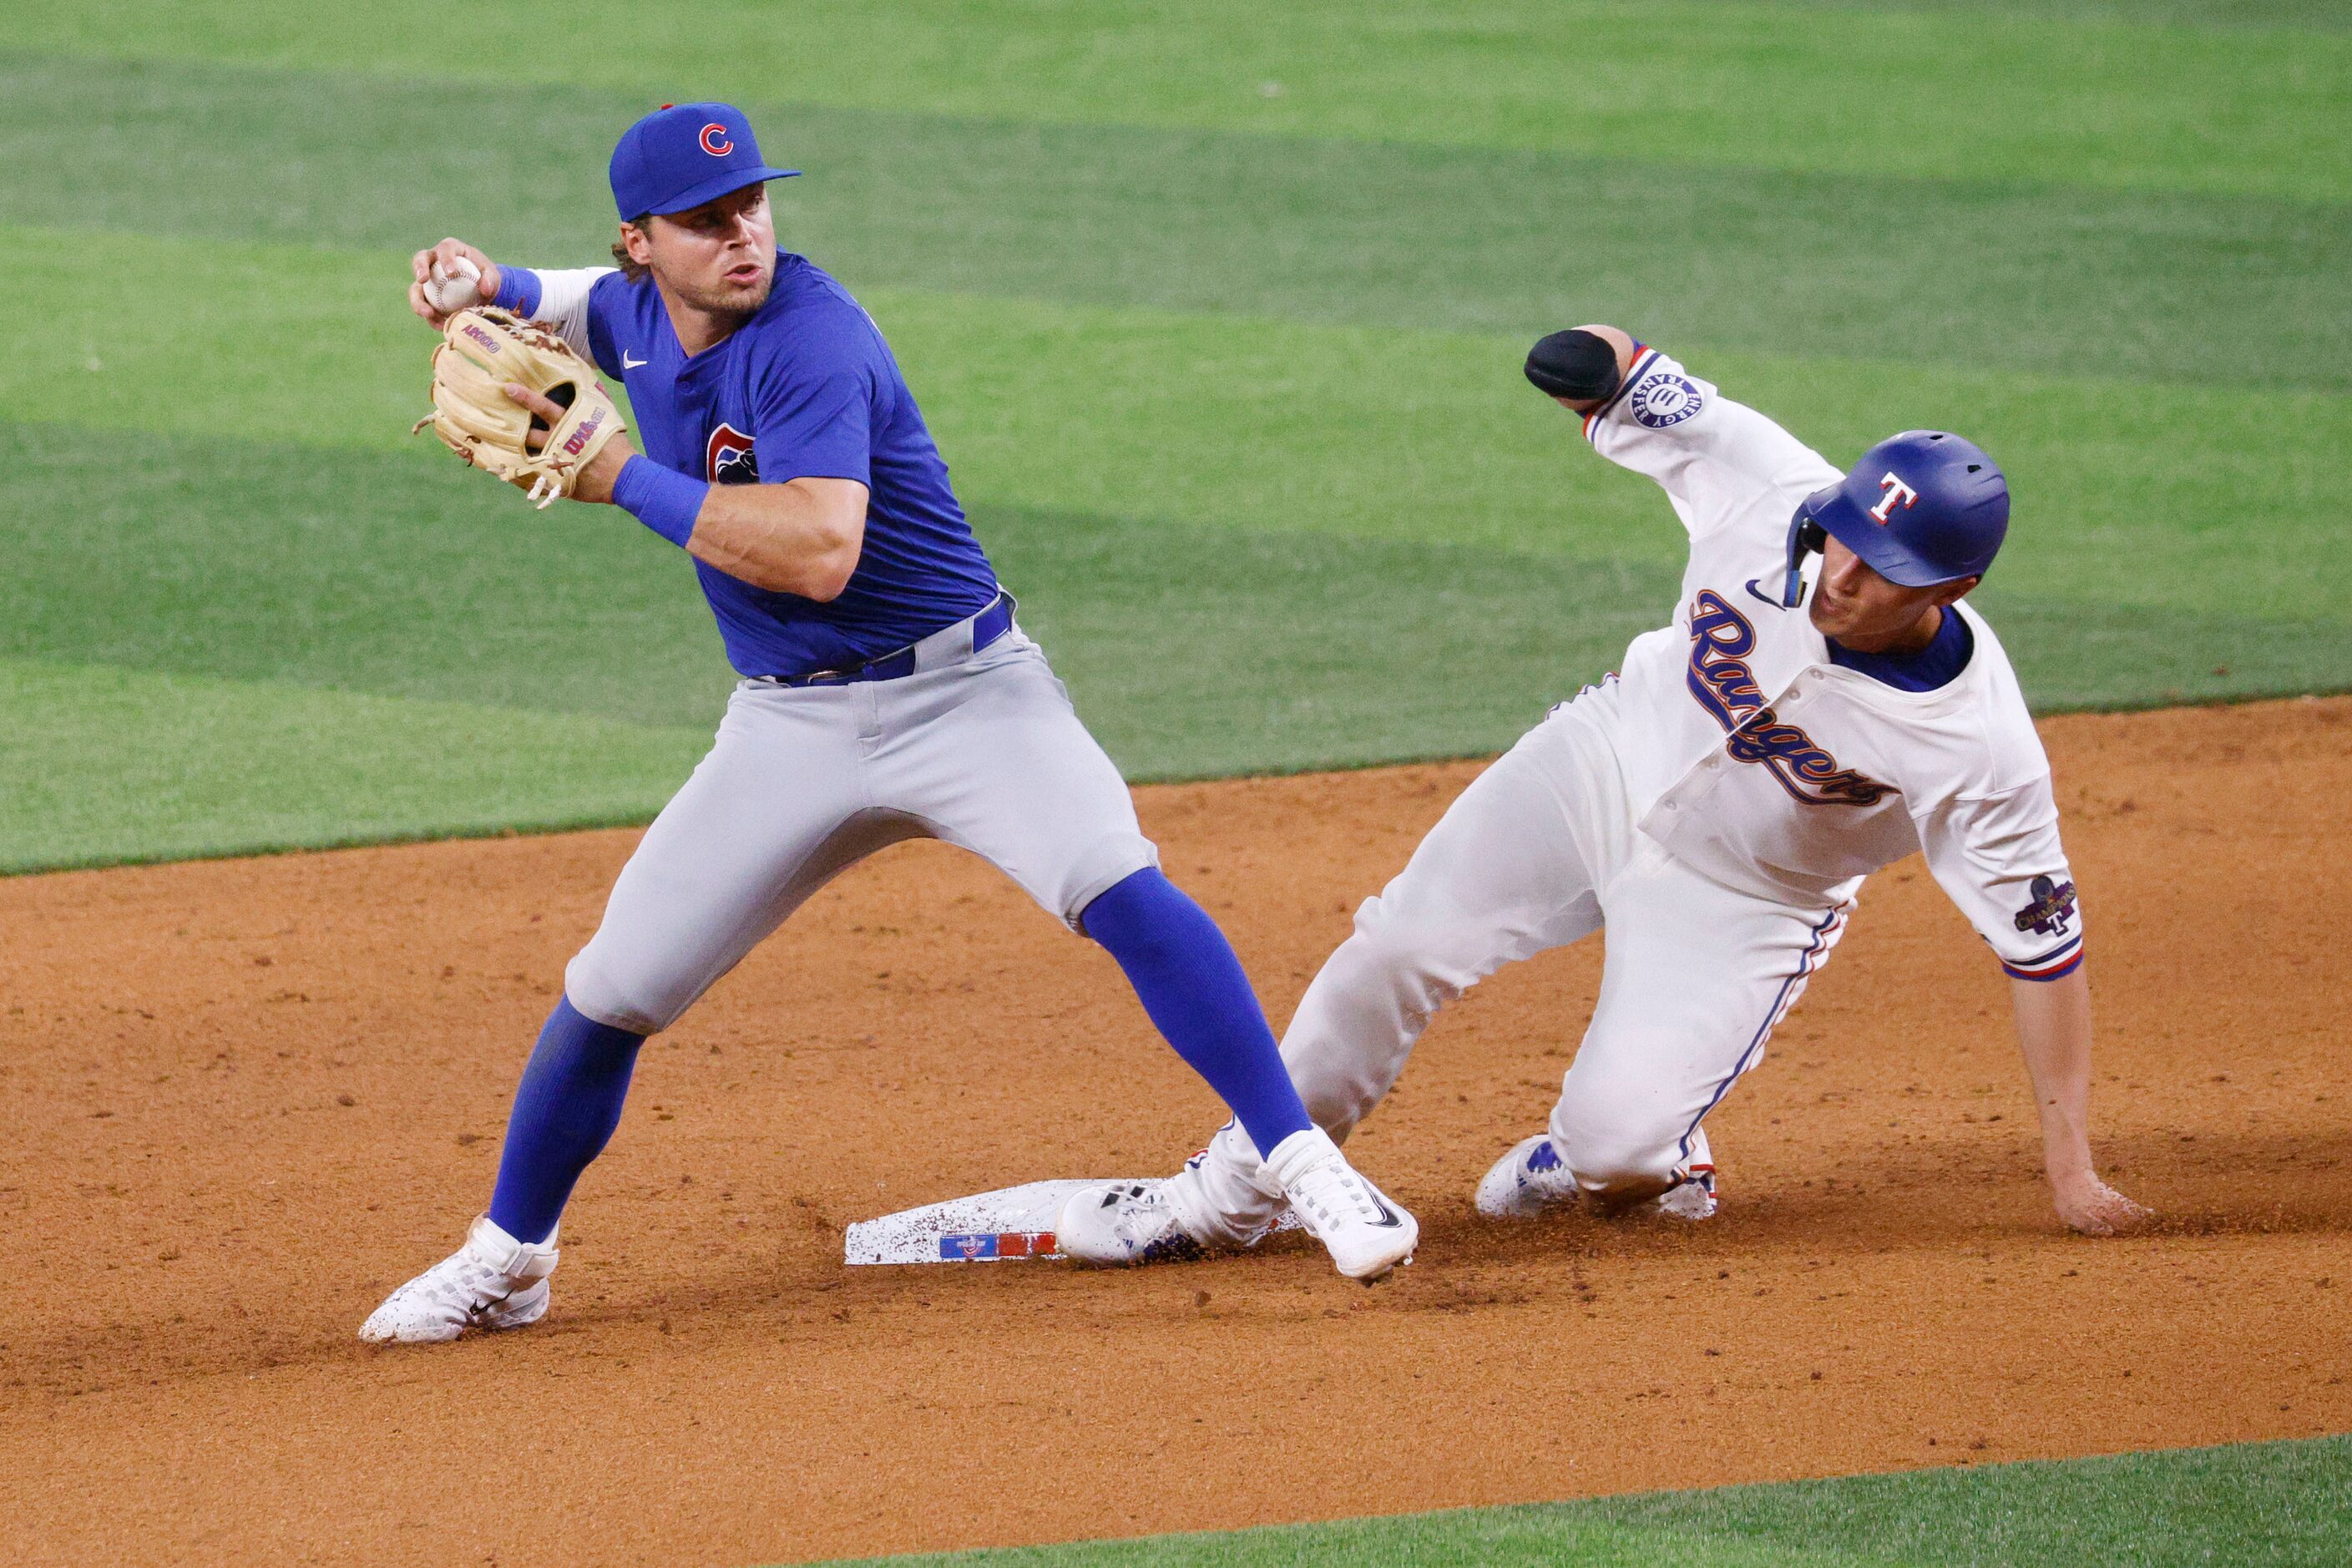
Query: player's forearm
2054,1031
800,538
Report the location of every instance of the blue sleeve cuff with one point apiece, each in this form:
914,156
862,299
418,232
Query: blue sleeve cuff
518,291
663,500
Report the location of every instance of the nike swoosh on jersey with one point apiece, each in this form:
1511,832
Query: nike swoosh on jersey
1771,599
628,364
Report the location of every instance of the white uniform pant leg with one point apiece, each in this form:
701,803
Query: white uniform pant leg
990,755
1505,874
1696,977
775,812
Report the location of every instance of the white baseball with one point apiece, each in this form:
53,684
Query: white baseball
454,285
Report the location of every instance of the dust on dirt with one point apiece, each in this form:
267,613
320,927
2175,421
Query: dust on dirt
240,1101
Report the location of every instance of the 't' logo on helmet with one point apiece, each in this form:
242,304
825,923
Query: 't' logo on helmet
1897,493
714,140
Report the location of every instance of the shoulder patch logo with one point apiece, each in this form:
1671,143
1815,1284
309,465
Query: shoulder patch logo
728,460
2052,906
1664,399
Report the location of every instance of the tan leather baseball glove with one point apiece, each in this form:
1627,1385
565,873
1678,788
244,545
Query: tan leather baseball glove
482,349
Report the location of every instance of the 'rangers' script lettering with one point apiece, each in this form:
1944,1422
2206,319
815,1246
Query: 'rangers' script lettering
1721,640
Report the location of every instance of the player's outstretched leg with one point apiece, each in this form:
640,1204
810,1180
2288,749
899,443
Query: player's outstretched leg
564,1113
1195,989
1500,878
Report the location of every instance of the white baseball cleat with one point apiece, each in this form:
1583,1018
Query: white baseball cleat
1693,1197
1121,1224
492,1282
1526,1181
1533,1178
1366,1233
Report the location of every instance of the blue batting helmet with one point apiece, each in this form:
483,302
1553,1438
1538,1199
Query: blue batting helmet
1921,508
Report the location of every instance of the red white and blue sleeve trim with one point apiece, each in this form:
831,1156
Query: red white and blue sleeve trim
2057,963
1644,358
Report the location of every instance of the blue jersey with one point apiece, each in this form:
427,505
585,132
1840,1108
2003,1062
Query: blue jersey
805,389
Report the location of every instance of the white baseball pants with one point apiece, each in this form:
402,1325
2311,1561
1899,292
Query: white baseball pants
982,750
1540,850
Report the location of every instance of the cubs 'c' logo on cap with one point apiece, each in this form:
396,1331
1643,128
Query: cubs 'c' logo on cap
1897,494
729,459
714,140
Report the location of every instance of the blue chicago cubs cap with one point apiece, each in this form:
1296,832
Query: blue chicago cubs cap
683,154
1922,507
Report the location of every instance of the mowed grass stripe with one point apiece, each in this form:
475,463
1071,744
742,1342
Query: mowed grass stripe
295,584
360,570
2321,15
2221,501
1997,93
1193,652
1422,237
108,765
2276,1505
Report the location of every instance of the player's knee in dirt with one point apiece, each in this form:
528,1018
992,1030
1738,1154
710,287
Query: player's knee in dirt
1617,1160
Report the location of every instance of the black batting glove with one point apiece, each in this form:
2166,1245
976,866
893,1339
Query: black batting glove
1576,364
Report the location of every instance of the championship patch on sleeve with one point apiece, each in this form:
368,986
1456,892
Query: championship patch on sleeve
1664,399
2052,906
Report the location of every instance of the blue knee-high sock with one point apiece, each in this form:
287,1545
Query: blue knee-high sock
1193,985
564,1113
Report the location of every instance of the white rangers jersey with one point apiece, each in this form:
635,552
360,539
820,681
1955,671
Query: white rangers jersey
1758,762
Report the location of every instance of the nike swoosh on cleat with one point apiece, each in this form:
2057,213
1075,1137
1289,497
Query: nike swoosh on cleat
480,1307
1389,1220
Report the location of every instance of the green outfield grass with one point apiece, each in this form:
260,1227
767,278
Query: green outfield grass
216,767
2272,1504
1962,270
1227,376
1272,426
2123,95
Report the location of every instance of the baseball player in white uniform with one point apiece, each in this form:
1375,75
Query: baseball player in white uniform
1823,703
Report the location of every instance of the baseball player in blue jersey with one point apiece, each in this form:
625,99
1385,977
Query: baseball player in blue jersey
887,693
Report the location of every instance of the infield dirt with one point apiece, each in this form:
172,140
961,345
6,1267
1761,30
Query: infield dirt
240,1101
